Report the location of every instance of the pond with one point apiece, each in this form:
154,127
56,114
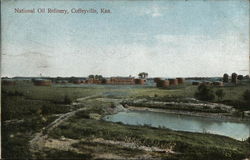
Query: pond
236,130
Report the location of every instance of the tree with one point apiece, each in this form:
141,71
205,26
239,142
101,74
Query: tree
234,78
143,75
220,94
91,76
225,78
99,77
204,93
240,77
140,75
72,79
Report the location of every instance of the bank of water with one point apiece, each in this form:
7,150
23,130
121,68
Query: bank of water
236,130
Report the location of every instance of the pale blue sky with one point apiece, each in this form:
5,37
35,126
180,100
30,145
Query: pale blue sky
163,38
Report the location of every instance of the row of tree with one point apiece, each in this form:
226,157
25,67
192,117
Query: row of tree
97,77
234,78
143,75
206,93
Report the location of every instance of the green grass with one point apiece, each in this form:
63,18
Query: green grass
35,105
57,154
57,92
202,146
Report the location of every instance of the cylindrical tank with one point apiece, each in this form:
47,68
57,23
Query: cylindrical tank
89,81
180,80
157,79
42,82
140,81
77,82
162,83
173,81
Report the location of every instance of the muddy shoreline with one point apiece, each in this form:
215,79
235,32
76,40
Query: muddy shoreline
217,116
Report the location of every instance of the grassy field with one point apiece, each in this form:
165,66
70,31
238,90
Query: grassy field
26,109
188,145
57,92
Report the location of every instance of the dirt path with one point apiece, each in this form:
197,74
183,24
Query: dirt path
133,146
41,139
65,144
38,142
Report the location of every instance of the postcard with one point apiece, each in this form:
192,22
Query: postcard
91,79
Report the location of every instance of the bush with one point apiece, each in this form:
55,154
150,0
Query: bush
246,96
204,93
248,140
10,93
220,94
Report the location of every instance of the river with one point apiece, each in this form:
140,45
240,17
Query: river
236,130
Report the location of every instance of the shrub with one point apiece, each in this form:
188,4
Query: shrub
204,93
10,93
246,96
248,140
240,77
220,94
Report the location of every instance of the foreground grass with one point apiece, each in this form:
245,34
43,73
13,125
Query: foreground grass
187,145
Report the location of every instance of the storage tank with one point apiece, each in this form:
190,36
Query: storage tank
77,82
162,83
173,81
42,82
157,79
180,80
140,81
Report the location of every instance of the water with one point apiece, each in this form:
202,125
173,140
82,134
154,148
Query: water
236,130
